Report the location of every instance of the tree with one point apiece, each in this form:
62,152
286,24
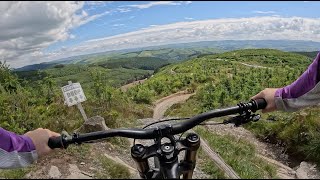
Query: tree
49,82
97,82
8,81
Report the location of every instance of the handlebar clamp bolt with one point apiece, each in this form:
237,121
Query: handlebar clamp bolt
138,150
192,138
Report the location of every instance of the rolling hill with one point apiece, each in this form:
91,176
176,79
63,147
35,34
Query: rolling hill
182,51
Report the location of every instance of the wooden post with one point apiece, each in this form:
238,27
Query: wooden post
83,113
218,161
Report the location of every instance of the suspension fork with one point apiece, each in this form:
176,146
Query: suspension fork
138,152
192,142
166,158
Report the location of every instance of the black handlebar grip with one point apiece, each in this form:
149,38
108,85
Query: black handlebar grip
261,103
55,142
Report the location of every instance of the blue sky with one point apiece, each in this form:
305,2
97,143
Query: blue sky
122,22
33,32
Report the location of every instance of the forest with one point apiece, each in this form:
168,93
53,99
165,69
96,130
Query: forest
32,99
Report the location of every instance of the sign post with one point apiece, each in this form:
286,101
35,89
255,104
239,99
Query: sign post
74,95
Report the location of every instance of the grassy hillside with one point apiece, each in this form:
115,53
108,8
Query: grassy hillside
227,75
311,54
84,74
167,55
145,63
219,80
223,79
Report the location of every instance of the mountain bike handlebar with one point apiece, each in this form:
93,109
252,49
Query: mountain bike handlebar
163,130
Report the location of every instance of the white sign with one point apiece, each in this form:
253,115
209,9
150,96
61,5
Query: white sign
73,94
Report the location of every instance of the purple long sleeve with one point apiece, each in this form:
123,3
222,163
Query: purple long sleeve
16,150
303,92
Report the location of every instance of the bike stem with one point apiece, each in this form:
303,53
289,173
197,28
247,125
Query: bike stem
168,157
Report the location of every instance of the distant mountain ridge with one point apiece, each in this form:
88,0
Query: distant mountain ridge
176,52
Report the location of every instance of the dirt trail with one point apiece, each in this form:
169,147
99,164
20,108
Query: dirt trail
124,88
161,106
249,65
165,103
64,167
269,152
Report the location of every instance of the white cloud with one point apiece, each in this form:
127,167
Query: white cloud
157,3
123,10
26,28
97,3
254,28
116,25
94,17
188,18
264,12
93,5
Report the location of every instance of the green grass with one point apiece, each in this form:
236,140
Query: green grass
119,142
15,173
208,166
80,152
82,74
220,83
186,109
112,170
298,132
239,154
113,77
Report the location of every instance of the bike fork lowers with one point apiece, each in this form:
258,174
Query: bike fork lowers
168,159
192,142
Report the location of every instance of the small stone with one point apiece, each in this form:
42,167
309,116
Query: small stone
82,163
28,176
54,172
78,176
73,169
110,147
93,124
76,173
301,172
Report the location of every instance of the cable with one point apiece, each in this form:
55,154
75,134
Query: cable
203,124
172,119
181,135
211,123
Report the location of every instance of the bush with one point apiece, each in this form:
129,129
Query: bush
298,132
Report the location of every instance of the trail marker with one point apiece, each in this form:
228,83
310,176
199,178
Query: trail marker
74,95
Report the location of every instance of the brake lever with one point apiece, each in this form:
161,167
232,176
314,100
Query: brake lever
242,119
67,136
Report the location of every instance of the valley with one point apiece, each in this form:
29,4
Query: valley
127,90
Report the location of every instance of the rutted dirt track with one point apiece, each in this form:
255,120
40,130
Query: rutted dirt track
165,103
124,88
67,167
269,152
160,108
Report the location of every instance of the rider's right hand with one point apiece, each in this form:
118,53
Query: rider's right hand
40,138
268,95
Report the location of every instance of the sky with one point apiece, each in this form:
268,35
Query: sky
41,31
